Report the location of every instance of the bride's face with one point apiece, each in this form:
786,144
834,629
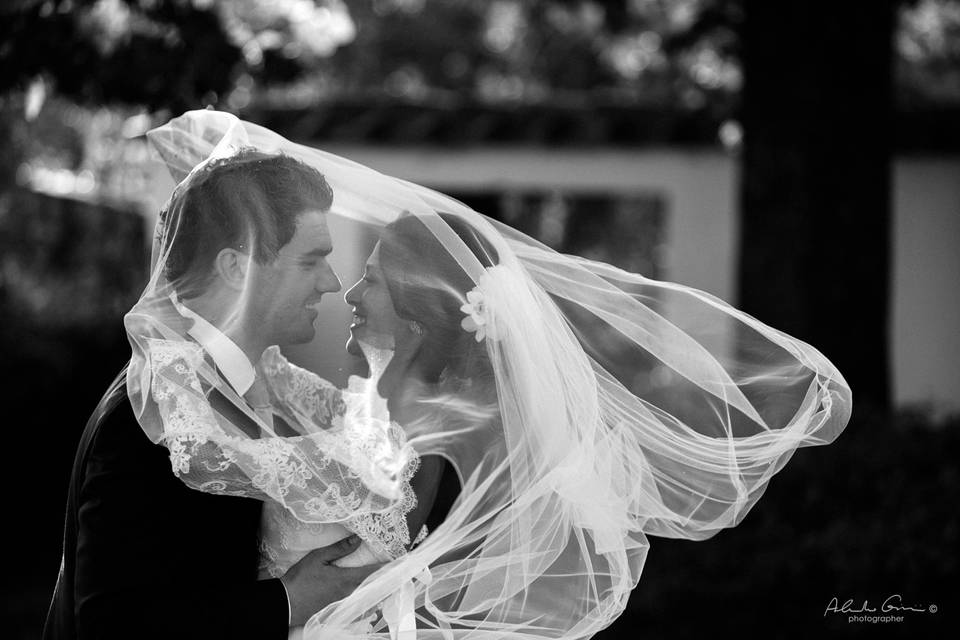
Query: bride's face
374,317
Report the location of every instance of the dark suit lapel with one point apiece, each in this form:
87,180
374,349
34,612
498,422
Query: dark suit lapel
282,428
230,411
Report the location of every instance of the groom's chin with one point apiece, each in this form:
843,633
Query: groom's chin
307,334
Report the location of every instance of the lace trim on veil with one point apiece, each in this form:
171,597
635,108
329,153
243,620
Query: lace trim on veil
387,532
206,457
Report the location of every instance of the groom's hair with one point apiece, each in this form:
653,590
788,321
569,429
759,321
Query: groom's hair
249,201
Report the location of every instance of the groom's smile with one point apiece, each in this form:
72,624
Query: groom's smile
289,289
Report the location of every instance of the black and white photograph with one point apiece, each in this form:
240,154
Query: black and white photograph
480,319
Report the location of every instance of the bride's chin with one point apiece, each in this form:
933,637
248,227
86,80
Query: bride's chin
353,346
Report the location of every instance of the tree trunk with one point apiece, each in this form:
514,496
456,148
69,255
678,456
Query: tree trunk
815,191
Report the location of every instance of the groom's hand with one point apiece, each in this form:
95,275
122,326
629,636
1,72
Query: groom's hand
315,582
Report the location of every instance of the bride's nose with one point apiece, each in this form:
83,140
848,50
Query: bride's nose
352,296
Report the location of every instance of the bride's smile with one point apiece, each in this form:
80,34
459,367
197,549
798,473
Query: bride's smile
373,311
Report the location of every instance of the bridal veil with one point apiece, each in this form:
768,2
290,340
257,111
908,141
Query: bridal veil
583,408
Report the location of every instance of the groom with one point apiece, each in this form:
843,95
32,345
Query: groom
144,555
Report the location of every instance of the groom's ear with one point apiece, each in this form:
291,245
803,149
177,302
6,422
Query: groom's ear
231,266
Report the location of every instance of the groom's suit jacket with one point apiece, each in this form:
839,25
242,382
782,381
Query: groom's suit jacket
147,557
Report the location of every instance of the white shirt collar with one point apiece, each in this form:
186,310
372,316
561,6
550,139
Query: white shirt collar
229,358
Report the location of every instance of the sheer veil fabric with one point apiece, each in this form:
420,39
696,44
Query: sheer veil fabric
583,407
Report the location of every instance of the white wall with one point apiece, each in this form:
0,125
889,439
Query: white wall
926,282
700,188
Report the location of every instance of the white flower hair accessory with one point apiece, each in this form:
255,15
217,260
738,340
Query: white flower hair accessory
478,309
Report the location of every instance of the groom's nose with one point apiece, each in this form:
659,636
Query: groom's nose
329,282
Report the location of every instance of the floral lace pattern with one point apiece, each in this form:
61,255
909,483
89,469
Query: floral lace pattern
387,533
339,470
329,473
303,391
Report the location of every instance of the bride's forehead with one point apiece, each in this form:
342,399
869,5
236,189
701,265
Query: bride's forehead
372,263
373,260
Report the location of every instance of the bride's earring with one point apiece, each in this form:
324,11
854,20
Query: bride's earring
416,328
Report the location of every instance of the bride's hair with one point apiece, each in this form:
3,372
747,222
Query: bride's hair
428,285
249,201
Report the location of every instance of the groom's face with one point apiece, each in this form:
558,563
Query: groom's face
284,293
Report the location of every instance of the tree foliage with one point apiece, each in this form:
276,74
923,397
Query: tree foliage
172,54
181,54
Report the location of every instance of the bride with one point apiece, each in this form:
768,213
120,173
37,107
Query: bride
419,364
582,407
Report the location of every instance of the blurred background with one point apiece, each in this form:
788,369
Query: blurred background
799,159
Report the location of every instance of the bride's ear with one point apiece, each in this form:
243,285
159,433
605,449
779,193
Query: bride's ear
408,343
231,266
